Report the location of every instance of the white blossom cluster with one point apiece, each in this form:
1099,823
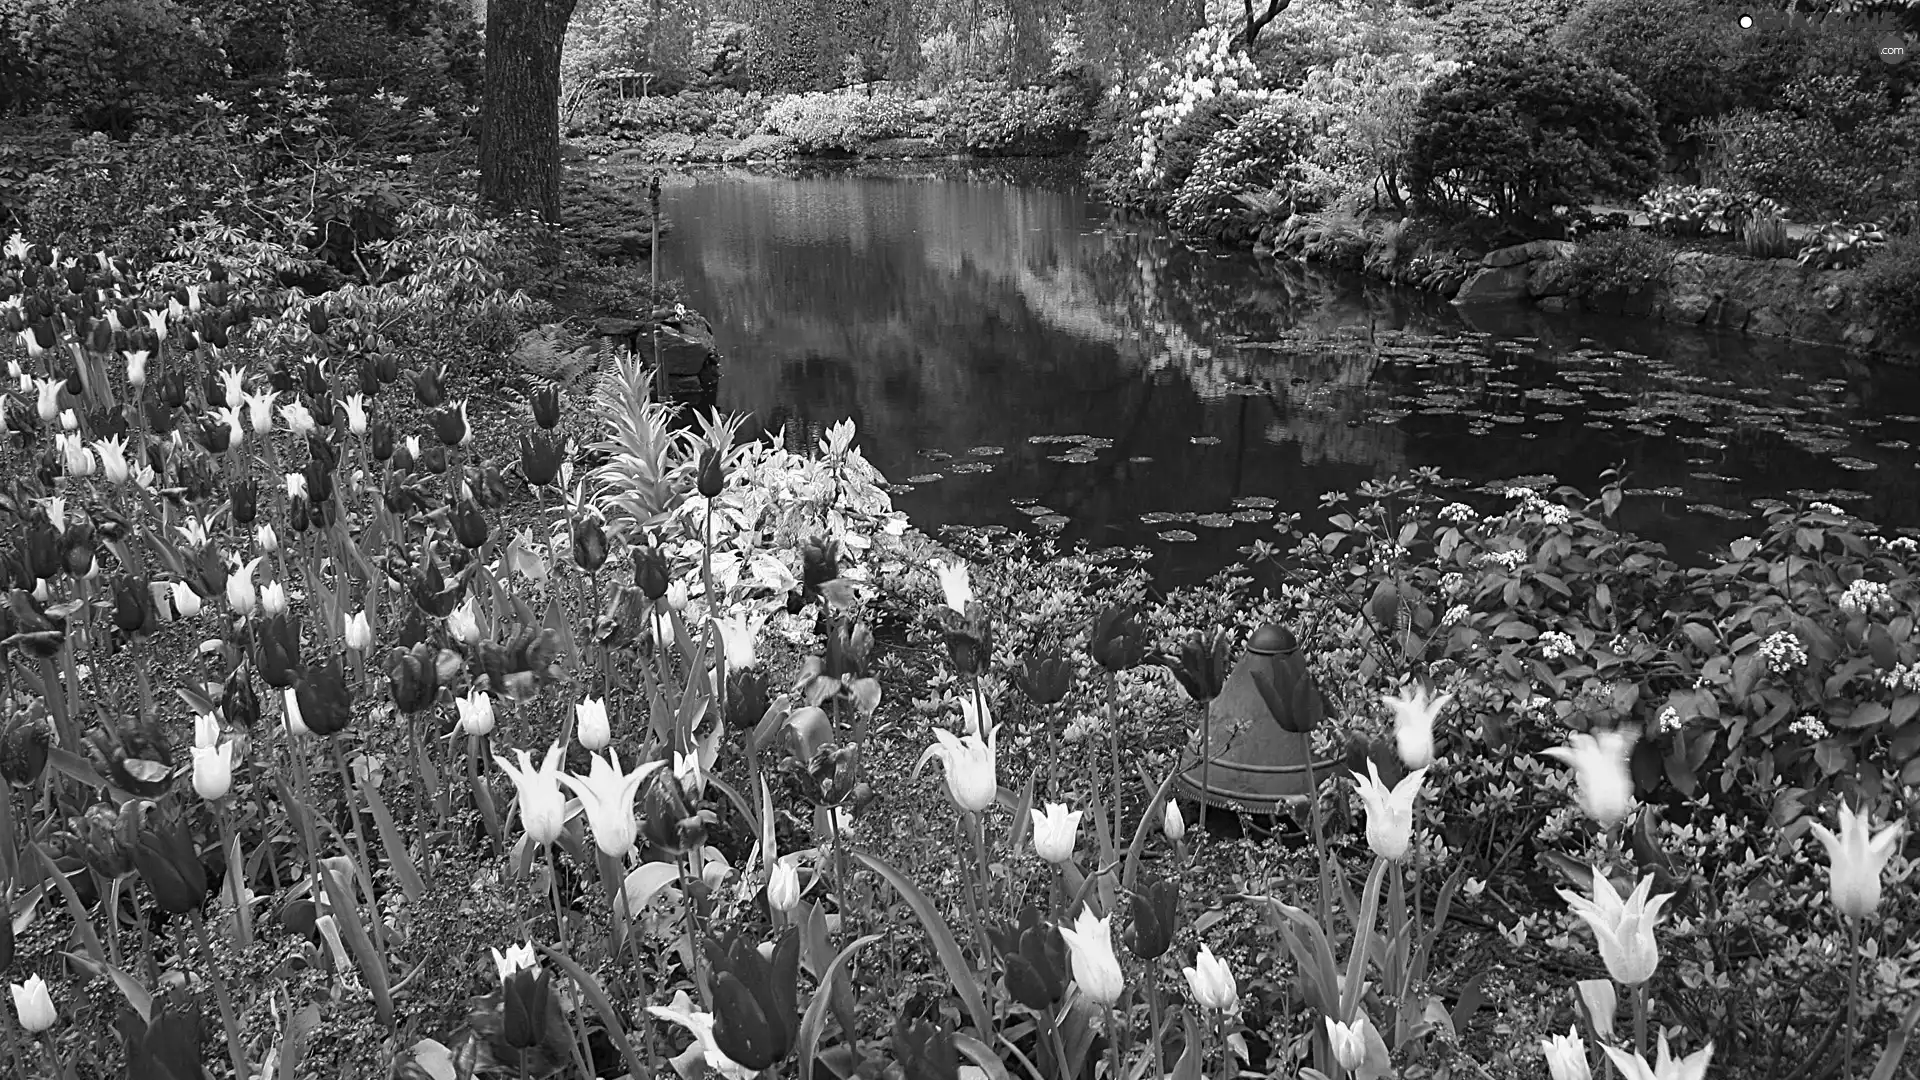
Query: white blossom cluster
1555,645
1453,583
1209,68
1456,614
1903,677
1458,513
1810,726
1782,651
1669,719
1865,597
1506,560
1905,545
1827,508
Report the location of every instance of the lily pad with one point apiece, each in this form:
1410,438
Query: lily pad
1178,536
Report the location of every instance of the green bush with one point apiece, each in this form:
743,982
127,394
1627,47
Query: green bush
1514,136
1619,261
1361,111
1492,27
1764,236
1187,139
842,120
990,118
1675,51
1890,283
1833,149
108,63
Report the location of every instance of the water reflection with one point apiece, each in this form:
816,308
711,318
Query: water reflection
947,309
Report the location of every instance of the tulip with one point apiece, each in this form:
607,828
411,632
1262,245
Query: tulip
666,820
469,523
132,603
1634,1067
213,771
1389,811
736,641
359,633
356,409
239,705
1857,857
541,456
137,368
1567,1056
1203,665
113,459
924,1049
240,593
955,589
543,811
677,596
783,885
69,419
546,405
186,602
526,999
1623,929
1600,769
464,625
79,459
1095,968
1045,677
591,726
1117,642
476,712
170,863
1349,1042
48,398
1054,831
245,498
650,571
969,766
276,651
273,599
450,424
701,1024
296,724
1035,957
298,418
1414,710
606,794
33,1005
427,387
324,698
1211,982
712,477
590,547
975,716
1156,909
1173,824
259,410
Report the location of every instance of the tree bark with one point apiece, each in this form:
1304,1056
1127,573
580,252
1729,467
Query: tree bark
1259,23
520,106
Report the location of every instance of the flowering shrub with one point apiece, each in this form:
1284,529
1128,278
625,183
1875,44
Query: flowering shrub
989,118
1361,111
1210,77
1261,152
838,120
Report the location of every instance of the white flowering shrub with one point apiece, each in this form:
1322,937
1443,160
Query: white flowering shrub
1360,109
1208,76
1262,152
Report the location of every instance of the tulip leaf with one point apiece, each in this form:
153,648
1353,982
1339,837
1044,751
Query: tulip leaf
733,796
372,965
195,700
293,1045
396,847
1192,1063
136,995
643,884
981,1055
808,1040
1362,937
82,924
597,997
1150,818
1896,1045
74,767
958,972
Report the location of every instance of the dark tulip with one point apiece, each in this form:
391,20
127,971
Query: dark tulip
133,607
109,423
650,572
402,458
747,698
1045,677
526,1000
77,549
432,592
317,320
214,388
969,638
434,459
319,470
386,366
1286,685
160,418
214,329
541,456
137,754
207,574
276,650
1117,643
489,487
170,864
313,379
413,677
397,495
186,336
325,699
106,835
1203,665
216,271
1035,956
428,387
43,548
713,476
283,378
368,378
590,545
43,334
925,1049
450,423
169,1047
666,820
100,336
215,435
245,497
297,513
847,649
76,385
546,406
380,439
756,1016
819,564
469,523
1155,908
23,753
239,704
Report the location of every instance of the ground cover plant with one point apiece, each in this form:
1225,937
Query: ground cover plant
360,725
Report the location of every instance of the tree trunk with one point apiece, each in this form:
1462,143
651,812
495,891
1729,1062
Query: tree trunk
520,106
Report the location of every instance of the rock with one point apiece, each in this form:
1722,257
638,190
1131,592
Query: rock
1832,297
614,326
1728,312
1766,321
1688,306
1528,252
1550,277
1558,303
1859,335
903,148
1494,285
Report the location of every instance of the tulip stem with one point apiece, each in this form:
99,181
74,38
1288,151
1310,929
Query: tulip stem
360,845
1640,1019
236,878
1153,1020
58,1067
1115,1071
700,984
553,893
236,1049
1113,746
1853,987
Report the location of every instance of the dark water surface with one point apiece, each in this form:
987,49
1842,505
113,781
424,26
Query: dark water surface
1022,358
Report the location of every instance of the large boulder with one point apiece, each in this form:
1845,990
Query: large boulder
1494,285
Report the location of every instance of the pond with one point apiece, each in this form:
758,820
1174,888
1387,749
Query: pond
1016,356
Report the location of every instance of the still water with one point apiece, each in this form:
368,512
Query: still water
1015,355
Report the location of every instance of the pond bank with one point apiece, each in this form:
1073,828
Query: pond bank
682,149
1768,297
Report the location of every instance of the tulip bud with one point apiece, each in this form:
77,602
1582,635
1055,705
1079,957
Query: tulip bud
359,632
546,406
475,712
783,886
650,572
427,388
592,728
170,864
712,478
527,1007
469,524
590,546
23,752
213,771
245,496
677,597
1156,909
1173,824
268,540
239,704
273,598
1349,1042
380,440
433,459
33,1004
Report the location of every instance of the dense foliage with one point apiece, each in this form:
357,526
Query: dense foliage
1514,136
